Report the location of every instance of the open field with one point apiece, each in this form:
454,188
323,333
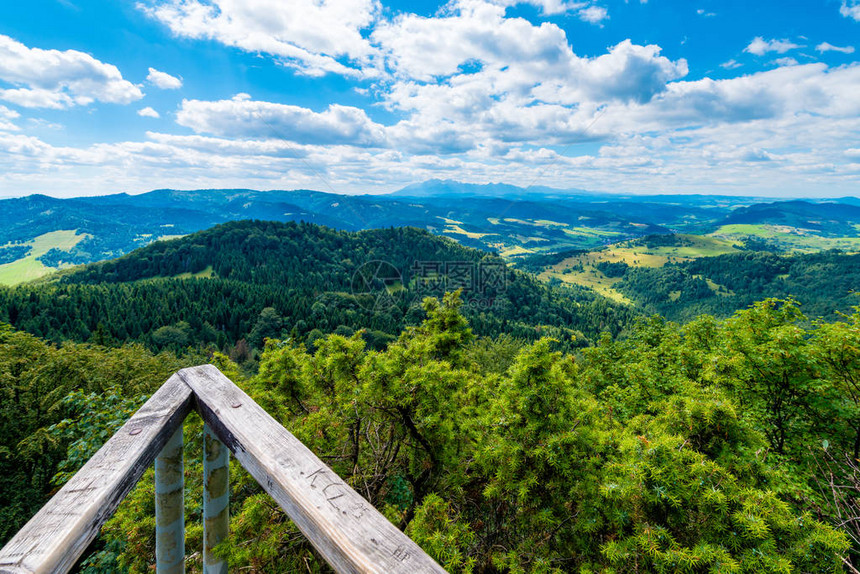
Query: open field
457,230
581,269
636,254
593,279
514,251
788,238
207,273
28,268
591,232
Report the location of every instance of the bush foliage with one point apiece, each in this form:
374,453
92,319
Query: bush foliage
675,449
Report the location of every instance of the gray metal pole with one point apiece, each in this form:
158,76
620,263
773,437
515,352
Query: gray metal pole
216,499
169,508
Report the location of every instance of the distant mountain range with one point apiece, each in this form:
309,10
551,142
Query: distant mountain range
507,219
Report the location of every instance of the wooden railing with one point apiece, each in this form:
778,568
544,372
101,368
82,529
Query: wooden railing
345,529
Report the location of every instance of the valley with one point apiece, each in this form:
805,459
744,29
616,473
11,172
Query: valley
516,223
489,373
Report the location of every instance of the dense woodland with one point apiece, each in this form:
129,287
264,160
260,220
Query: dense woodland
824,282
549,432
286,279
676,449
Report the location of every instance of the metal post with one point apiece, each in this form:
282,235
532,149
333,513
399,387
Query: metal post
169,508
216,498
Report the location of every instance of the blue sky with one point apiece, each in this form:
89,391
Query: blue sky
362,96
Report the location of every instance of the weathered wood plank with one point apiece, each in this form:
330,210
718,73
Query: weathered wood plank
58,534
347,531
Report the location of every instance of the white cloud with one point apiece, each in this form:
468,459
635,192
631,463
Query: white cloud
59,79
547,7
759,46
705,13
473,32
315,37
585,11
38,98
6,117
629,72
778,94
731,64
242,117
231,147
828,47
475,95
593,14
163,80
479,53
785,62
521,101
850,9
148,112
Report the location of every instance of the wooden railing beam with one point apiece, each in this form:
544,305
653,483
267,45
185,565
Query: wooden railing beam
351,535
53,540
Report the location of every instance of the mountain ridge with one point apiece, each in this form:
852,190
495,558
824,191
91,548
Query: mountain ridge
499,218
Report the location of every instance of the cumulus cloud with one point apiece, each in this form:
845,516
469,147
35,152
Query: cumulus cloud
6,117
785,62
59,79
474,32
477,50
593,14
759,46
731,64
850,9
629,72
315,37
148,112
828,47
778,94
232,147
475,94
163,80
547,7
242,117
476,76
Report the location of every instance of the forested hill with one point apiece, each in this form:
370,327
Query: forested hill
300,255
238,283
824,283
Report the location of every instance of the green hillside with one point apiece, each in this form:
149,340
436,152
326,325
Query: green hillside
512,426
788,238
516,223
602,269
240,282
682,276
27,264
824,283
